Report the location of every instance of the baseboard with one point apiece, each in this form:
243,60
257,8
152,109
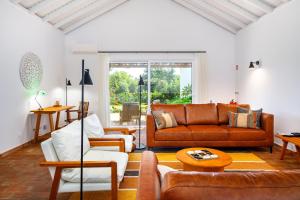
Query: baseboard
6,153
42,138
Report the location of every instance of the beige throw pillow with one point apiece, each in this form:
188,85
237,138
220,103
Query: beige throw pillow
164,119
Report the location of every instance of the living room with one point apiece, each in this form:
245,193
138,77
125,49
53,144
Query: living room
123,89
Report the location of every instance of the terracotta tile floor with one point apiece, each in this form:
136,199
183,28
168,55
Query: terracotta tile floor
23,179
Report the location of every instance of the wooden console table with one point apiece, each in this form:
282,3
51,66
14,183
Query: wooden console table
286,140
48,111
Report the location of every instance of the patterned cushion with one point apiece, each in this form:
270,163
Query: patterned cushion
164,119
242,120
258,113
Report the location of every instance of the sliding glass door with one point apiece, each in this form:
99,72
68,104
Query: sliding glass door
165,82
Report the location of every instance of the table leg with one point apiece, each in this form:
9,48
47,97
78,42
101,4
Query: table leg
283,150
51,122
37,127
57,120
68,116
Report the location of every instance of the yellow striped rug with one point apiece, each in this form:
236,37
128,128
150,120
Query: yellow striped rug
127,189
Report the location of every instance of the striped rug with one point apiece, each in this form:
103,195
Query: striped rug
127,189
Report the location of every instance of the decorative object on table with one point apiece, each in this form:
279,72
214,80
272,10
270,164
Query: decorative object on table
85,80
68,83
232,102
207,165
203,154
31,71
40,93
57,103
256,64
141,83
164,119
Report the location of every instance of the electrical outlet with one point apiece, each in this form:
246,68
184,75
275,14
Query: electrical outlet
45,127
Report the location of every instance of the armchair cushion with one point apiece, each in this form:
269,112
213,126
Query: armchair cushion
98,175
128,143
93,127
67,142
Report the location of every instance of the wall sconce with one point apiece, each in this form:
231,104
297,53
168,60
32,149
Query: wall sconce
254,65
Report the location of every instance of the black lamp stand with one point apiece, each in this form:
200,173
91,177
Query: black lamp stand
140,145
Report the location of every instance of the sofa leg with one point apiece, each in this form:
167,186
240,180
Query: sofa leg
149,148
271,149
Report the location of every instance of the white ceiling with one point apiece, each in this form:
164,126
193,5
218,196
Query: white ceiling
68,15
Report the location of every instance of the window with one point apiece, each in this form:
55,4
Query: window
165,82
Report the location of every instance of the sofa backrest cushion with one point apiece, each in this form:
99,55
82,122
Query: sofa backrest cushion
178,111
270,185
93,127
223,110
201,114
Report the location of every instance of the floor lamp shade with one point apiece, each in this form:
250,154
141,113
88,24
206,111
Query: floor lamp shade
87,78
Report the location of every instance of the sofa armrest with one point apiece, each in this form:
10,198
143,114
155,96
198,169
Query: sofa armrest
150,130
268,126
148,182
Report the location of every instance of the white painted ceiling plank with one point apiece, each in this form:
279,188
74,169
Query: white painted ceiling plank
102,11
200,12
213,10
260,5
66,8
42,4
83,11
16,1
230,7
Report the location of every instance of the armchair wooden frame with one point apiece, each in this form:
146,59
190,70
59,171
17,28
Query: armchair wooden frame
60,165
125,131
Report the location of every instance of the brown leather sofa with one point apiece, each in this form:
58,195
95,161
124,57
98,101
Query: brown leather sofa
207,125
182,185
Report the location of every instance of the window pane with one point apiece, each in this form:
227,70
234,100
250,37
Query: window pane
171,83
124,94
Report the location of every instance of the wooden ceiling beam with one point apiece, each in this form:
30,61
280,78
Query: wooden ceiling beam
234,9
209,17
67,7
101,11
42,4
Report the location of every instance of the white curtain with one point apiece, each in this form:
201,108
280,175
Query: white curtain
200,80
103,74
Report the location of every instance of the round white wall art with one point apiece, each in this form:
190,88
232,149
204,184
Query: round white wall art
31,71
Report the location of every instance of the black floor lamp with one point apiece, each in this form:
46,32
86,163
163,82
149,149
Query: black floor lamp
141,83
85,80
68,83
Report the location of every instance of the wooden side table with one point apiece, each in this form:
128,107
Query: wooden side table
48,111
214,165
286,140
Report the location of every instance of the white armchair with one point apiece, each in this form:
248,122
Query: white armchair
103,170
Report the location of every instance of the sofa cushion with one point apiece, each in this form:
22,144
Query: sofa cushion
223,110
208,133
174,134
98,174
93,126
67,142
164,119
246,134
178,111
242,120
201,114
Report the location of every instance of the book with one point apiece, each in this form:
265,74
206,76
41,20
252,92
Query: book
202,154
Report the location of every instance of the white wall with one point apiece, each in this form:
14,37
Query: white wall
156,25
275,87
21,32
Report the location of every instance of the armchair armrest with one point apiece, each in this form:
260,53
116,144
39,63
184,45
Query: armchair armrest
60,165
150,130
125,131
267,121
120,142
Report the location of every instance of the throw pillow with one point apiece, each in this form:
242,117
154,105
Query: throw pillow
242,120
258,113
164,119
93,127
